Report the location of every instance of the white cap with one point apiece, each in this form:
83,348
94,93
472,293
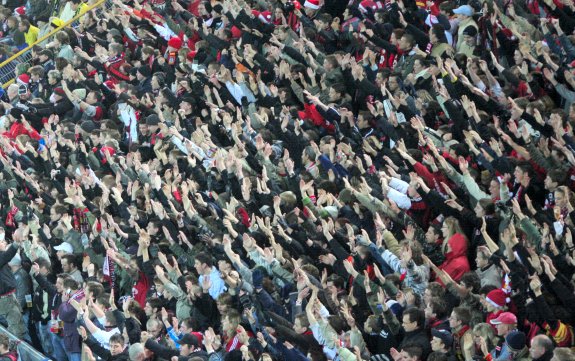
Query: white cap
65,247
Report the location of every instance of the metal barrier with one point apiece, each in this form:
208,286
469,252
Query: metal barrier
25,351
8,67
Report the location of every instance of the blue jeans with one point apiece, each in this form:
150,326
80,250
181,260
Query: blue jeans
58,345
74,356
26,319
44,335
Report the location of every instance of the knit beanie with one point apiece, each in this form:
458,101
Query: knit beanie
516,340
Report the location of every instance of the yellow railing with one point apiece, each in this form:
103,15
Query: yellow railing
22,55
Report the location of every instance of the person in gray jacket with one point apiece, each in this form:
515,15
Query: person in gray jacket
23,289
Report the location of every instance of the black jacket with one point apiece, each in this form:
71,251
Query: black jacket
104,354
419,338
7,281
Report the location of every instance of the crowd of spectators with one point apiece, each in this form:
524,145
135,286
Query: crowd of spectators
265,180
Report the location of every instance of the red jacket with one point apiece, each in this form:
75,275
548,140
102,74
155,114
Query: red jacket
456,263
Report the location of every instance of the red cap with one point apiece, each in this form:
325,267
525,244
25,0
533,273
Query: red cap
506,318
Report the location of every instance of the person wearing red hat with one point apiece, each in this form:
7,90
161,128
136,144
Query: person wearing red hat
496,303
505,323
171,55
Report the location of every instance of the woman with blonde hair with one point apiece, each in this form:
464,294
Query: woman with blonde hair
454,247
484,331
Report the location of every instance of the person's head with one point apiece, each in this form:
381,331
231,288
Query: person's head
460,317
441,340
393,82
154,327
71,285
523,172
484,207
4,343
407,42
419,64
496,300
485,331
504,323
469,282
301,324
330,63
436,309
62,38
411,352
44,265
54,77
563,354
69,263
413,319
230,321
93,97
562,196
152,306
203,263
470,35
541,345
433,290
188,344
554,178
60,282
94,290
137,352
334,283
117,344
433,234
464,12
481,258
24,25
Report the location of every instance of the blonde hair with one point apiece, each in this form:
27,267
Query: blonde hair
453,227
486,331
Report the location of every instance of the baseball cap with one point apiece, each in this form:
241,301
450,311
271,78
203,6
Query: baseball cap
189,339
464,10
64,247
506,318
443,335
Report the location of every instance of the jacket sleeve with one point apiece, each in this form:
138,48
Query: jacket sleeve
161,351
98,350
6,256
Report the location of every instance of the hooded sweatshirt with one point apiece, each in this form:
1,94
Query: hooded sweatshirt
456,263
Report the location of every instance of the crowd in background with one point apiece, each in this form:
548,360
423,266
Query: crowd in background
266,180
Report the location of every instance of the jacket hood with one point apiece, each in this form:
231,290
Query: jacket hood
458,246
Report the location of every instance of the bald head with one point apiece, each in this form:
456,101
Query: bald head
540,345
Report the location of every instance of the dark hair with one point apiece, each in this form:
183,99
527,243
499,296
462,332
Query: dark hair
526,167
439,307
203,257
154,302
43,262
471,280
72,259
463,314
71,283
413,350
415,315
117,338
